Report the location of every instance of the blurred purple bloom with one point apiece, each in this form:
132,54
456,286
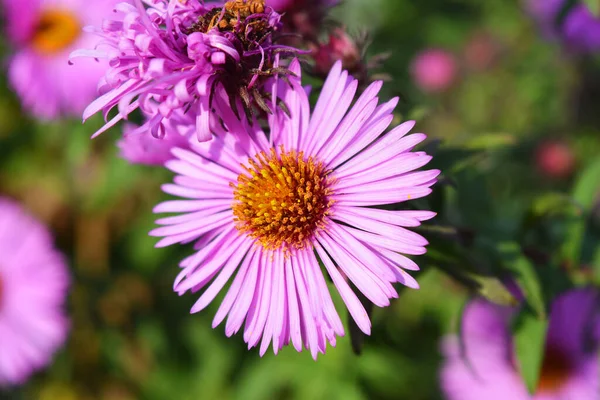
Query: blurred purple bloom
175,56
580,29
33,288
43,34
484,367
307,188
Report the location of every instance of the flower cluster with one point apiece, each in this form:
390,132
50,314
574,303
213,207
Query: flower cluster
175,57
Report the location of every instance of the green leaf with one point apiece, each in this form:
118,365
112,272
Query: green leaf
585,193
525,274
493,290
553,203
594,6
530,340
491,141
587,188
596,264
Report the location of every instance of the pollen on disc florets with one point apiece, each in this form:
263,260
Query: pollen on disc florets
283,200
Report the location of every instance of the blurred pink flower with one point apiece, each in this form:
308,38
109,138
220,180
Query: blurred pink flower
483,366
44,33
555,159
312,186
434,70
481,51
33,288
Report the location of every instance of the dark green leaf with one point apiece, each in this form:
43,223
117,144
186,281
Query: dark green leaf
525,274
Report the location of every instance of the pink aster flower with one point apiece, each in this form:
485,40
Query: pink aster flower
175,56
270,208
434,70
44,33
33,288
484,366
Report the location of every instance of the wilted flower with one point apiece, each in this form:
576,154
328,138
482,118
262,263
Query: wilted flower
176,56
578,28
43,34
434,70
33,289
307,192
482,365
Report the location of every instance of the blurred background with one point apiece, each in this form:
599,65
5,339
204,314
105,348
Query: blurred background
514,125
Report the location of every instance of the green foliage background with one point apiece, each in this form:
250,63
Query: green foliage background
133,338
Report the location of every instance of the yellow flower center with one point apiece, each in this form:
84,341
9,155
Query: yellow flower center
556,370
283,200
55,31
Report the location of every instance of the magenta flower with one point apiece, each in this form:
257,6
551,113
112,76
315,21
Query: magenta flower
485,368
176,56
580,29
305,193
33,288
44,33
434,70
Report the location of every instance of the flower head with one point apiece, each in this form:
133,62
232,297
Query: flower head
175,56
270,209
43,34
578,28
33,288
484,366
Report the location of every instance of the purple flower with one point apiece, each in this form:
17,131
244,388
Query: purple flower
580,29
269,208
485,367
43,34
176,56
33,288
